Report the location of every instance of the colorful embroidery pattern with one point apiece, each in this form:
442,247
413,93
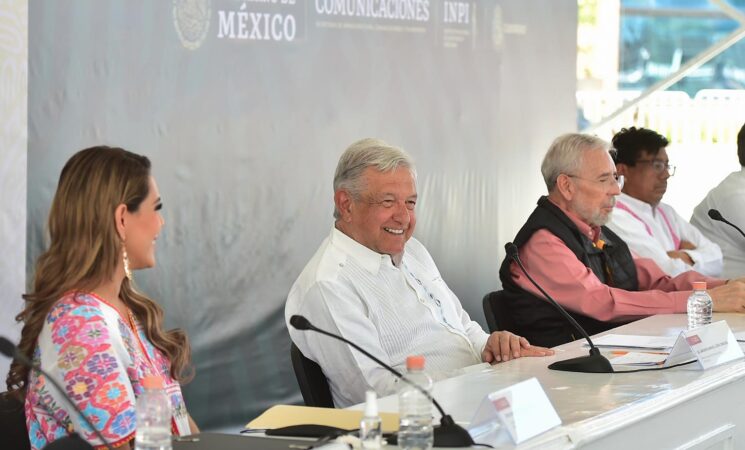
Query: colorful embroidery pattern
99,362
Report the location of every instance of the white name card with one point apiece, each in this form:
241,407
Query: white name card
711,345
523,410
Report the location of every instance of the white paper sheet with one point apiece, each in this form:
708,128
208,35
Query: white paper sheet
635,341
639,359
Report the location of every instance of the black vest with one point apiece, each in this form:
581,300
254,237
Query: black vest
535,318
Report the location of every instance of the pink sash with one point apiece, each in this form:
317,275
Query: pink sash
676,239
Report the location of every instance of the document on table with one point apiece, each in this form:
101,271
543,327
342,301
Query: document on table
629,341
286,415
639,358
711,345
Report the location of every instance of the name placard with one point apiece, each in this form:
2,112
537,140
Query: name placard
523,410
711,345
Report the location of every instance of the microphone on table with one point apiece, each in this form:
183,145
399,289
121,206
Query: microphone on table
72,441
716,215
447,434
592,363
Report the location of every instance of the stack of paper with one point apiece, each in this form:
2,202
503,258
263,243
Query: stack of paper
638,350
636,342
709,345
638,359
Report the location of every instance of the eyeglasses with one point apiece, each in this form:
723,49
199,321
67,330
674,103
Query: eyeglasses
611,181
658,165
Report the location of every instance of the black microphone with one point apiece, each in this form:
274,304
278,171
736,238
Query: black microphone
448,434
73,441
7,348
716,215
594,362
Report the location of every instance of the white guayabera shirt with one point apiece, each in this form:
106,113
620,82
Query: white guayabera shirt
729,199
651,232
390,311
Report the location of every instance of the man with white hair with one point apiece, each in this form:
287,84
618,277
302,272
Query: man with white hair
586,267
374,284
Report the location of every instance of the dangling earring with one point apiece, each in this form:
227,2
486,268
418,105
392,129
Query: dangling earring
127,271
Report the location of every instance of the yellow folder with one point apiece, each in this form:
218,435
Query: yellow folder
285,415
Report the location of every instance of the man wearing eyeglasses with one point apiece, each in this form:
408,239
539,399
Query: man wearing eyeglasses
653,229
584,265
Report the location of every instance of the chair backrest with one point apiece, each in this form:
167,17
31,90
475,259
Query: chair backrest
312,381
497,318
13,431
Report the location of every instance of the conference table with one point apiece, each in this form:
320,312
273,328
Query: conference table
679,408
683,407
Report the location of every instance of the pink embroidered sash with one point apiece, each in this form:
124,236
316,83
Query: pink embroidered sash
673,234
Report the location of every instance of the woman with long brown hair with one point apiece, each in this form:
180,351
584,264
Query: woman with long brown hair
84,322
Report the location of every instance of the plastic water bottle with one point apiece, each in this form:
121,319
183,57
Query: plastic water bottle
699,306
415,409
153,417
371,426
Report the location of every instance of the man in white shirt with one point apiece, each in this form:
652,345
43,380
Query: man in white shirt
650,228
374,284
729,199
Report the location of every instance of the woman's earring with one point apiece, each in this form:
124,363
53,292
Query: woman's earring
127,271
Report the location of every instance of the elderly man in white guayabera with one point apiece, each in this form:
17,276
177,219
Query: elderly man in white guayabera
373,283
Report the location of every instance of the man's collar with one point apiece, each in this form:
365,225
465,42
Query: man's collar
637,205
369,259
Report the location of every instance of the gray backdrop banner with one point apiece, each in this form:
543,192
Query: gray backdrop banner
13,163
244,108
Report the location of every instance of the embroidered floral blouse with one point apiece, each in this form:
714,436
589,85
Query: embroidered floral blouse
94,354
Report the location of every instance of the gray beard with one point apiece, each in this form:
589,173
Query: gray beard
598,220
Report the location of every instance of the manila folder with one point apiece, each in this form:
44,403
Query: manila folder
285,415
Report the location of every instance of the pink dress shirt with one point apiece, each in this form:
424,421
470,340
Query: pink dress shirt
556,268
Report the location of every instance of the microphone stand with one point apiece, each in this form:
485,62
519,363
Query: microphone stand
448,434
595,362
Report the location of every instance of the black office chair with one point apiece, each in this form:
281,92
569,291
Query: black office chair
496,317
312,381
13,431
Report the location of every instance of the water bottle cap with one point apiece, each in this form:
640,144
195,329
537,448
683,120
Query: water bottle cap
371,404
415,362
152,382
699,285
